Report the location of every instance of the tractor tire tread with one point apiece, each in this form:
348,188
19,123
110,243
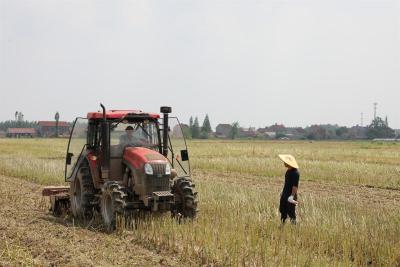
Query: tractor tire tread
187,198
88,192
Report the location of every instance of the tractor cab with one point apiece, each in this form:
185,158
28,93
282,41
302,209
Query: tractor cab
120,161
128,134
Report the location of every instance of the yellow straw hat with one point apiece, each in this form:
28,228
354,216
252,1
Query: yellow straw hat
289,160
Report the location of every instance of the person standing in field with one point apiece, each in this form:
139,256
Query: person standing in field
288,201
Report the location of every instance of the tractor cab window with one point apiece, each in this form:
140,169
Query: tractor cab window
77,143
134,134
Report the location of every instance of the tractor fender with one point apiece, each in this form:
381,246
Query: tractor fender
137,177
135,171
81,159
92,164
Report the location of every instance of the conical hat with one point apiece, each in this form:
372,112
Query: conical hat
289,160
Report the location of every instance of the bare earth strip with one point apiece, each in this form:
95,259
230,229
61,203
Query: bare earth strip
30,236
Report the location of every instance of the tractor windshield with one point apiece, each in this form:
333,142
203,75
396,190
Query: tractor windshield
139,134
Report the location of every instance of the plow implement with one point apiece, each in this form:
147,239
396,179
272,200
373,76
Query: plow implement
59,199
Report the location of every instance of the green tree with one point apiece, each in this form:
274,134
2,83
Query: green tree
191,126
20,119
342,132
196,129
4,125
186,132
234,130
206,128
316,132
57,118
379,128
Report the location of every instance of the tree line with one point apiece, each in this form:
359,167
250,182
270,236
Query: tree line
196,131
378,128
4,125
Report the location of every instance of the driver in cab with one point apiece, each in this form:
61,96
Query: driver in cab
128,139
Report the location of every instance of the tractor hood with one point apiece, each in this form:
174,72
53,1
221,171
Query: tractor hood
138,156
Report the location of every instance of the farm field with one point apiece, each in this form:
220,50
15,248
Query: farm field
349,211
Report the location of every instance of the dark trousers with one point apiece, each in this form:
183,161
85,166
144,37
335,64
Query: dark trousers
287,209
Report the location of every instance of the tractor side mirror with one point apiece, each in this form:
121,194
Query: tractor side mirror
184,155
69,157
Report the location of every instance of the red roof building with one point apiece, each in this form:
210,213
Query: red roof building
49,128
223,130
53,124
21,132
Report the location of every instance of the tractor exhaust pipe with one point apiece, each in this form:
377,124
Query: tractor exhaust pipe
105,138
165,111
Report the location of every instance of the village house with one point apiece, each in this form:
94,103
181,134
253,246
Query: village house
48,128
277,128
397,133
265,133
178,132
223,130
295,133
358,132
21,132
248,132
269,135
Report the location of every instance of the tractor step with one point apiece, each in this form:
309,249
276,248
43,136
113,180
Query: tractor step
160,194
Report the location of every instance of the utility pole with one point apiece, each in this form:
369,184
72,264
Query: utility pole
375,107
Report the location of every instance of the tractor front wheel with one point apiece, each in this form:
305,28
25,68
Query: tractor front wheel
113,202
185,198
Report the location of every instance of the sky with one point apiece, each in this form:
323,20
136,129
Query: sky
256,62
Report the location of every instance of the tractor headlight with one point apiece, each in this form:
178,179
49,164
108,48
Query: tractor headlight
168,169
148,169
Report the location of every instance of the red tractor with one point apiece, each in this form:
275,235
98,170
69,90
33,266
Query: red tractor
120,162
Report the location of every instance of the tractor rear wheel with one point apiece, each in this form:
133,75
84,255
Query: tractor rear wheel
185,198
82,194
113,203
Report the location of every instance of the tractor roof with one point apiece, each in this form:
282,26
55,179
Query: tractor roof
119,114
